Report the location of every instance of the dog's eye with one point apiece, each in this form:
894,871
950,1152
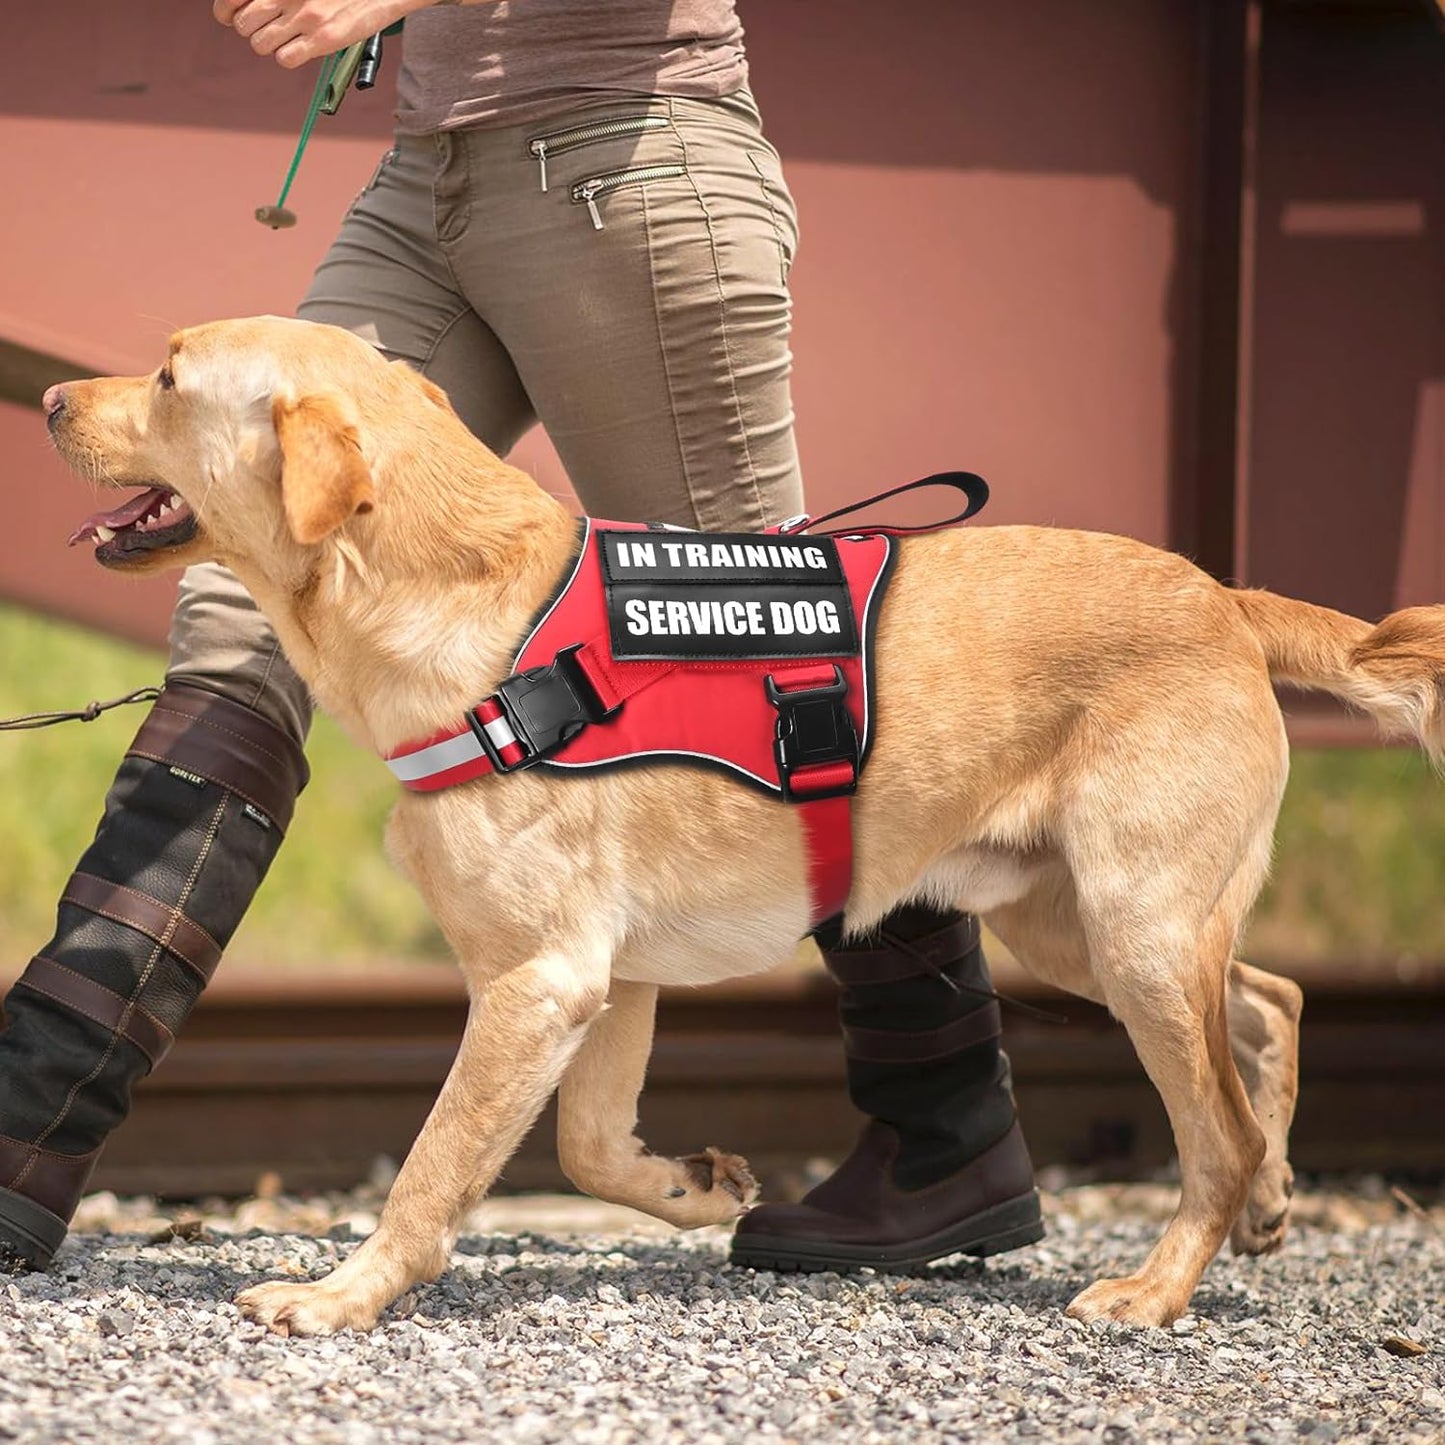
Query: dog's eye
165,379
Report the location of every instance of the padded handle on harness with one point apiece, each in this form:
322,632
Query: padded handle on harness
969,483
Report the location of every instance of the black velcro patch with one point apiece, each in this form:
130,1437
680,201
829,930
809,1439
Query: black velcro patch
725,595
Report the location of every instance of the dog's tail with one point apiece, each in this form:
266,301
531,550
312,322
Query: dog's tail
1394,671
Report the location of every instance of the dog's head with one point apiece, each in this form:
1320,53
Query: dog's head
249,442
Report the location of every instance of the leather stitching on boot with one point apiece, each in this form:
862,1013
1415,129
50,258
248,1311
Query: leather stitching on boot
168,942
216,738
133,1001
230,786
119,1025
241,737
48,1153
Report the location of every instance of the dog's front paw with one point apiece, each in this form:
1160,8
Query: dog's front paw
714,1188
1132,1301
304,1309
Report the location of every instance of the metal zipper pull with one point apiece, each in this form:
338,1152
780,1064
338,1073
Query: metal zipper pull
589,190
539,149
588,193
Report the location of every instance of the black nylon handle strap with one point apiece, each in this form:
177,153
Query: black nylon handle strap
970,484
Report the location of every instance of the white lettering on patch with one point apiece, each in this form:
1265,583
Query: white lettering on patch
805,618
636,554
703,556
706,618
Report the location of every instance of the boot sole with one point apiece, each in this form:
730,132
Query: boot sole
29,1235
1011,1225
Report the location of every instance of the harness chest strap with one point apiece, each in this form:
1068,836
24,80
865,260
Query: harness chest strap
525,718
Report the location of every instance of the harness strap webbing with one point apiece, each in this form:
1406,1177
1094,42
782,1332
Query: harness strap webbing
827,820
614,685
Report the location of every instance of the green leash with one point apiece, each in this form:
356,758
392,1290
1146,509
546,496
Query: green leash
357,62
277,216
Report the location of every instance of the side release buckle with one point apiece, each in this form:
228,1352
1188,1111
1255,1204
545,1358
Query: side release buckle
542,708
816,744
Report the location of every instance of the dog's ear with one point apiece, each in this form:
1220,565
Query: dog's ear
324,478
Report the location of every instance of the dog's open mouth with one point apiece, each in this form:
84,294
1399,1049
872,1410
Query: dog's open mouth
155,519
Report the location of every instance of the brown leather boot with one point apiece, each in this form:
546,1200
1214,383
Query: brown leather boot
942,1167
191,824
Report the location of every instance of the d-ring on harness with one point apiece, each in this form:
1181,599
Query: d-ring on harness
749,652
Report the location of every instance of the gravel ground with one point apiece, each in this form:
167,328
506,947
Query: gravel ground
563,1320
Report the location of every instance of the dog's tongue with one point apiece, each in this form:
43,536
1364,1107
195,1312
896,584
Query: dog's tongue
131,511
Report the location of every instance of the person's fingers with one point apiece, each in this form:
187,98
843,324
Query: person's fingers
295,53
256,15
225,10
295,31
273,35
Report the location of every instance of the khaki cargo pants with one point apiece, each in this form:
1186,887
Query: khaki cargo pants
619,273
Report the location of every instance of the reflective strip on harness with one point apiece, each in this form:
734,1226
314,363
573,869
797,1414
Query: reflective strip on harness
422,767
499,732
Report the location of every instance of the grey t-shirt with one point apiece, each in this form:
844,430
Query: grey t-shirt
505,62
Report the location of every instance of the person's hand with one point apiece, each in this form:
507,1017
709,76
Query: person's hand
295,31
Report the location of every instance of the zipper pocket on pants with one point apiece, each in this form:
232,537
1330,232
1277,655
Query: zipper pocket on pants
585,193
580,135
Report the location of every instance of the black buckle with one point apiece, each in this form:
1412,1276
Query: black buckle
814,726
545,707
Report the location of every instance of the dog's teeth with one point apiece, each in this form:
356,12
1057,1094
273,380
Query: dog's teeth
105,534
173,501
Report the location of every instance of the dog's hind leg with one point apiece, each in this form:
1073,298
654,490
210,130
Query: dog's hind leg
1168,990
1043,932
1264,1014
597,1118
523,1028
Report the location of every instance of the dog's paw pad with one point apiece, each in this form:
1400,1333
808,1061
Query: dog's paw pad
1265,1237
712,1170
1264,1221
301,1309
699,1170
1127,1301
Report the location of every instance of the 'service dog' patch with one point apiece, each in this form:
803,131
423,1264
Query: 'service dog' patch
729,595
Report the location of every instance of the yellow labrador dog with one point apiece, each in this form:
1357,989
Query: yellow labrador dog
1108,806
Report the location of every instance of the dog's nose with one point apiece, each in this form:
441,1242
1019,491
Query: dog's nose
53,401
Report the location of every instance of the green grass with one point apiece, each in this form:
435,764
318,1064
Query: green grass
1359,860
1358,868
331,896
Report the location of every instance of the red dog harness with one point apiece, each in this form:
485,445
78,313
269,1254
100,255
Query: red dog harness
745,652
